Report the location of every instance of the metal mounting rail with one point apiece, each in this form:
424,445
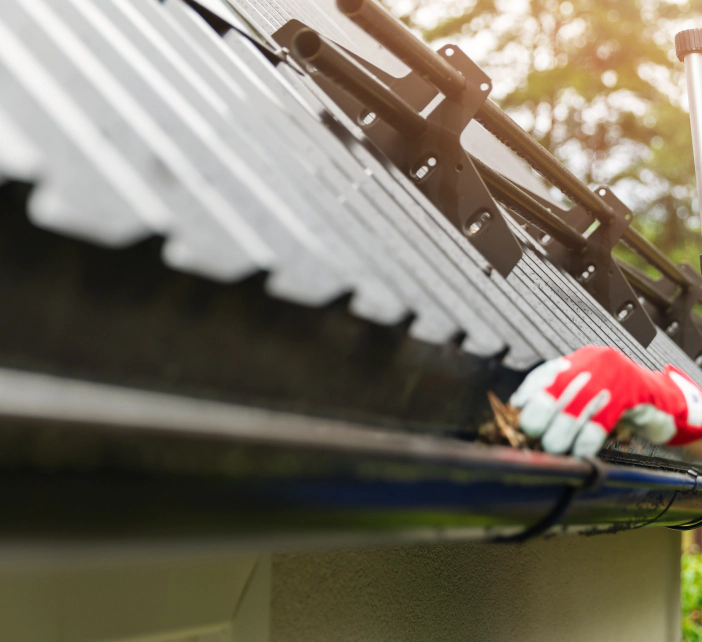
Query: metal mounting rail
511,134
646,250
513,195
391,112
643,286
505,129
589,260
506,190
427,150
315,50
392,34
417,55
669,305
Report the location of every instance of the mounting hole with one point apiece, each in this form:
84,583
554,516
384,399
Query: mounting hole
367,118
484,86
602,192
449,51
587,274
477,224
423,168
459,167
627,217
625,311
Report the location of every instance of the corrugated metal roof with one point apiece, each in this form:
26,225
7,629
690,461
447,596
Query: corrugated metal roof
136,119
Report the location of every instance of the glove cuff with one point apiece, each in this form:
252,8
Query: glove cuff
692,394
688,411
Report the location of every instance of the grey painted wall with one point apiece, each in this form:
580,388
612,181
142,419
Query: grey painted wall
605,588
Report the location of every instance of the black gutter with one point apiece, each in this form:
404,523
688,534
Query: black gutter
91,460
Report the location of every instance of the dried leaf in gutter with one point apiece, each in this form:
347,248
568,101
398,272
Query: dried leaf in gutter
504,427
621,434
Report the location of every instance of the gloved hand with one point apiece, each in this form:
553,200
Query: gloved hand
574,402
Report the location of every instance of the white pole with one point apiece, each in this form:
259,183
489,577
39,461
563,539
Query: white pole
693,75
688,46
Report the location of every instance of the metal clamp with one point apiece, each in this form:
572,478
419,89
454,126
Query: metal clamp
427,150
592,263
672,308
597,271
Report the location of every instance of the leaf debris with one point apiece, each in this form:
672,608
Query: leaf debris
504,427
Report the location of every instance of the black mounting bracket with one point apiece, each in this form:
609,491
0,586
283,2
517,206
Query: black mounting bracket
576,217
676,319
595,268
434,159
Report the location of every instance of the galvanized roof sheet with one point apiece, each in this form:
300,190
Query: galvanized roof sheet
134,118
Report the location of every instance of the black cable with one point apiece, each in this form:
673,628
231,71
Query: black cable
657,517
557,513
552,518
696,523
689,526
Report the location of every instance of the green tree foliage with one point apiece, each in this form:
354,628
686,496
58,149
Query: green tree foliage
691,598
597,83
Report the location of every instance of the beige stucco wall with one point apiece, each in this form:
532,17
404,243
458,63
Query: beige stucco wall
614,587
607,588
133,593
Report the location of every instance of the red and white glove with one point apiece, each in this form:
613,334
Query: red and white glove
574,402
